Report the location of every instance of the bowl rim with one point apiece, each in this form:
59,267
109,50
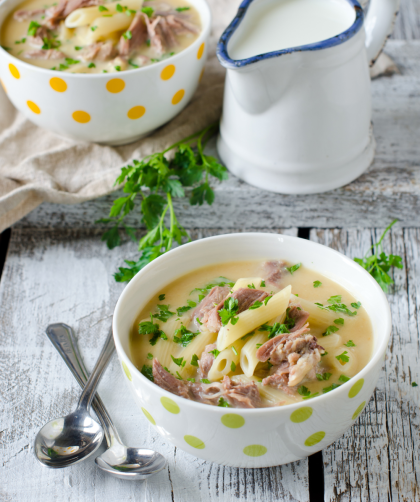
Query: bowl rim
345,387
202,35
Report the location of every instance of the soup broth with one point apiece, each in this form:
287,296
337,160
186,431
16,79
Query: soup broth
95,36
251,334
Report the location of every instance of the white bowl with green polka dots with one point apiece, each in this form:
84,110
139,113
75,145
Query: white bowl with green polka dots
252,437
109,108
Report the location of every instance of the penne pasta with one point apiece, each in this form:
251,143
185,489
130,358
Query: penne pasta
251,319
101,27
345,368
317,316
86,15
244,282
196,347
331,341
222,365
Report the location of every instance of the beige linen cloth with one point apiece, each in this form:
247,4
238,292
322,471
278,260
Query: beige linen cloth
36,165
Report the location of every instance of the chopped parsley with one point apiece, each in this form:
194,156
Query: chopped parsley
182,310
340,321
265,327
343,378
306,393
148,328
334,299
414,384
178,361
149,356
148,11
248,335
267,299
119,8
6,48
22,41
33,28
255,305
330,388
192,380
127,35
180,9
337,307
77,48
258,345
194,360
198,320
277,329
102,8
317,284
223,403
343,358
161,297
293,268
251,286
323,376
356,305
164,313
147,371
234,350
324,354
262,285
71,61
224,282
231,307
205,380
232,366
183,336
329,330
118,68
93,28
215,352
178,376
130,62
350,343
91,65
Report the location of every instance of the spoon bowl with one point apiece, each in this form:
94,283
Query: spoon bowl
68,440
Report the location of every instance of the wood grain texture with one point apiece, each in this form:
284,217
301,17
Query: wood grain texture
390,188
67,276
378,458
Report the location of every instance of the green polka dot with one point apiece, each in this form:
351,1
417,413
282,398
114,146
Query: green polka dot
255,450
170,405
233,421
315,438
126,370
148,416
301,414
195,442
358,411
357,387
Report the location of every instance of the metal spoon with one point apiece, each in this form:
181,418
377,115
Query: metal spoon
119,460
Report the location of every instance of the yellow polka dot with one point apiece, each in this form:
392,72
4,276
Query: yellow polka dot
255,450
358,411
148,416
194,442
136,112
126,371
14,71
170,405
168,72
2,84
201,75
58,84
315,438
178,96
81,117
115,85
301,414
233,421
357,387
33,107
200,51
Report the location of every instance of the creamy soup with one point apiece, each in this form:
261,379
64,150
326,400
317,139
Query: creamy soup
251,335
281,24
95,36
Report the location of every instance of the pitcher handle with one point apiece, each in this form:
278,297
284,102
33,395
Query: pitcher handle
379,23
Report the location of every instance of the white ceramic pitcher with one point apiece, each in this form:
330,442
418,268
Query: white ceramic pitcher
298,120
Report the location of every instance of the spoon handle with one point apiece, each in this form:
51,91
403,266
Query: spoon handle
62,337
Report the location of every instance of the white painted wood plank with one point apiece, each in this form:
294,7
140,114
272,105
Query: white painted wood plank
390,188
407,25
67,276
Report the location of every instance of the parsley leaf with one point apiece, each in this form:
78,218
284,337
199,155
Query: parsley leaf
262,285
293,268
337,307
148,11
164,313
343,378
234,350
317,284
414,384
147,371
334,299
251,286
180,9
215,353
33,28
356,305
191,380
330,388
379,263
306,393
182,310
148,328
277,329
183,336
343,358
329,330
323,376
255,305
161,297
223,403
102,8
178,361
232,366
340,321
350,343
231,307
205,380
194,360
149,356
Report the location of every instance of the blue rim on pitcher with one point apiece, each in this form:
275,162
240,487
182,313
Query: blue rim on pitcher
228,62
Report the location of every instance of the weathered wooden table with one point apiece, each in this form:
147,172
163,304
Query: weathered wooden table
57,269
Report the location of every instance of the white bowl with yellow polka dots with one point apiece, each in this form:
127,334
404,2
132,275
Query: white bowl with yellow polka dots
252,437
110,108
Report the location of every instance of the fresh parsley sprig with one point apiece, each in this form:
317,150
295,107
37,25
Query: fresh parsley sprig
379,263
150,185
